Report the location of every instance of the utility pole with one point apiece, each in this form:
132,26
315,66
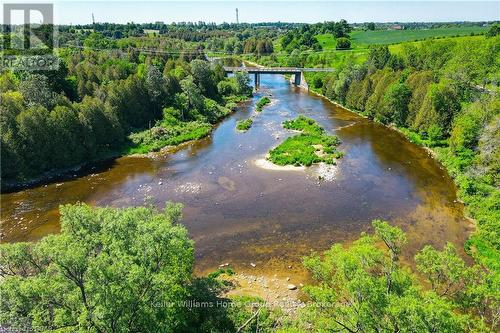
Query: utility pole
237,20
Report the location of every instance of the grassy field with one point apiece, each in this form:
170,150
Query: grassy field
326,41
359,52
396,48
166,133
360,38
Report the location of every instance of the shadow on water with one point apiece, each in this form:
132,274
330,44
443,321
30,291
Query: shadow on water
60,176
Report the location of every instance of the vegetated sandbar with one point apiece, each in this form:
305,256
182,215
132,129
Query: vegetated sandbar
312,146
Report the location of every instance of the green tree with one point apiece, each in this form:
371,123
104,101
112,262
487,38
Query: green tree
66,131
379,56
8,81
494,30
194,96
203,78
396,100
439,106
489,154
226,88
343,43
472,289
11,105
100,129
340,29
358,93
381,80
97,41
364,288
467,125
35,137
218,73
129,99
110,270
418,82
243,86
154,83
36,90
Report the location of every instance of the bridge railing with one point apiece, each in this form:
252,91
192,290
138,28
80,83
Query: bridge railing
276,69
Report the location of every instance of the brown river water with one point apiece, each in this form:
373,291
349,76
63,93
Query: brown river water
240,213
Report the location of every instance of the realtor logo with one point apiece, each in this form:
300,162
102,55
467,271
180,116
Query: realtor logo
40,35
28,45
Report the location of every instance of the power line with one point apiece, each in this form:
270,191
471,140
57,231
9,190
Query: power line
188,52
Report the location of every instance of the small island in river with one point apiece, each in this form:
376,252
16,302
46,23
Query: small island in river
313,145
244,125
261,103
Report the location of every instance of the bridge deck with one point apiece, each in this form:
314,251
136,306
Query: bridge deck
275,70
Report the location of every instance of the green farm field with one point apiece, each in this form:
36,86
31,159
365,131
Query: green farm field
398,36
362,39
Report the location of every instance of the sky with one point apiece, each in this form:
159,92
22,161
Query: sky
80,12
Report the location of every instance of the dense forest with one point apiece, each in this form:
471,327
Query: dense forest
99,104
122,90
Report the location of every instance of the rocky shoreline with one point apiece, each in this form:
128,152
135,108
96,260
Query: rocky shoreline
275,291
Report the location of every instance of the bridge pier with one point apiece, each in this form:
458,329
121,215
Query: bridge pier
297,77
257,80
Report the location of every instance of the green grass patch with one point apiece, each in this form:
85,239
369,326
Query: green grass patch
327,41
228,271
313,145
261,103
244,125
167,133
304,124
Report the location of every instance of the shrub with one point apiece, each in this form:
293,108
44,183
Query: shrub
244,125
343,43
226,88
261,103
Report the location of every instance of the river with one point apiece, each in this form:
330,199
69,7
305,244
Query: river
240,213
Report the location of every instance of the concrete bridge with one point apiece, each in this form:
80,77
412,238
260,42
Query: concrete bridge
297,72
